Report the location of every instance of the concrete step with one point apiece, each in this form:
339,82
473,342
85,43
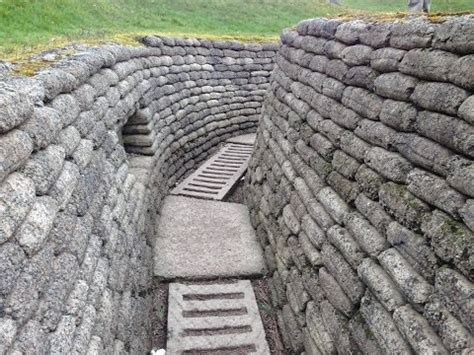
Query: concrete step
214,318
247,139
205,239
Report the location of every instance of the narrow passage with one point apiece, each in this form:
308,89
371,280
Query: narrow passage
206,249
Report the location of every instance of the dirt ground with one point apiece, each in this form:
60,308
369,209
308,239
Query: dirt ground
160,314
237,194
268,315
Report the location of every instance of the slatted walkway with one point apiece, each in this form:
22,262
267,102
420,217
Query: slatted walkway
215,178
199,239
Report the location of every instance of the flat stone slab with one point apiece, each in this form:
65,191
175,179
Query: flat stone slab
205,239
214,318
247,139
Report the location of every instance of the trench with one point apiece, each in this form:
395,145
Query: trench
359,192
260,288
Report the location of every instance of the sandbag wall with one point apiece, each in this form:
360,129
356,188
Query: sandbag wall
361,186
88,149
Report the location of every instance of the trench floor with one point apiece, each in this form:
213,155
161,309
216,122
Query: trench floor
208,261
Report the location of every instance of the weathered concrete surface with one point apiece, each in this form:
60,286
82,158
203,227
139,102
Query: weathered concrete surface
213,317
214,179
205,239
248,139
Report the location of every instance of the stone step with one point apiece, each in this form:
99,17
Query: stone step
217,176
214,318
247,139
205,239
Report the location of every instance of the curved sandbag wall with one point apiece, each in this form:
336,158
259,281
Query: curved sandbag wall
88,149
361,186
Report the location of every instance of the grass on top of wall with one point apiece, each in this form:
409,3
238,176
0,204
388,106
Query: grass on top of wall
31,26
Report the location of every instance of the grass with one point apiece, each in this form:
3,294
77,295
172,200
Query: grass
30,26
27,23
448,6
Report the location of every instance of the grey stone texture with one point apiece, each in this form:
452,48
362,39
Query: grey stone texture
204,239
245,139
385,140
89,148
213,316
15,149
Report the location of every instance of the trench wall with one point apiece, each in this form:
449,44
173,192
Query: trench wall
361,186
88,150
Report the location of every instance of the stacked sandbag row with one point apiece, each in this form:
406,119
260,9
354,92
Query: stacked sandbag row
200,83
206,93
76,211
361,187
